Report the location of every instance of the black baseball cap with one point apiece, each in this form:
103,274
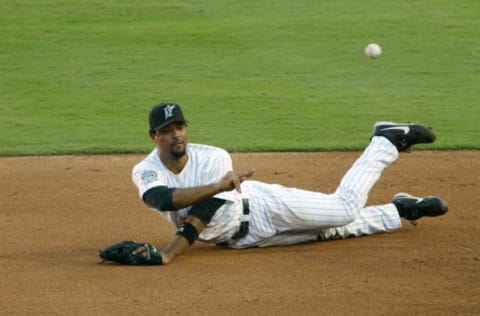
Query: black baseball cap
165,113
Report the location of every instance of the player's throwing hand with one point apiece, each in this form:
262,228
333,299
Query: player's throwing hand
232,180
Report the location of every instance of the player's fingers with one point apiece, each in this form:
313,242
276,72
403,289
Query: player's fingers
246,174
232,180
250,172
236,184
141,249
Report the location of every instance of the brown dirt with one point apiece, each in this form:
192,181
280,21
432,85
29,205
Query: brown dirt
56,212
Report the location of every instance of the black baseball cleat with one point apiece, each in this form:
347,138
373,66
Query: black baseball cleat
404,135
412,208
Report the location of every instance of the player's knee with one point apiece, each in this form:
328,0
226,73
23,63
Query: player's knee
351,213
350,205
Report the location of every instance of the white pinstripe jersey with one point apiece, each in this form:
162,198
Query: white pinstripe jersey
280,215
205,165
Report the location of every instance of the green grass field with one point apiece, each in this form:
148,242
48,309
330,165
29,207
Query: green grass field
81,76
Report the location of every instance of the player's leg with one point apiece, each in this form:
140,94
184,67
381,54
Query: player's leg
300,209
386,218
371,220
290,238
365,172
305,210
387,141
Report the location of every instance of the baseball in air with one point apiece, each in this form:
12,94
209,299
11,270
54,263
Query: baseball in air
373,50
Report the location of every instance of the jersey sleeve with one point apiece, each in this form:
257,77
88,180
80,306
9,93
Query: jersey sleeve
145,178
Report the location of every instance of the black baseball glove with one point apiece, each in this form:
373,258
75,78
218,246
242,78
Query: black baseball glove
123,253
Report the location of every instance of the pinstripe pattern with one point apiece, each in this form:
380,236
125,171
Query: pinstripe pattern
281,215
206,164
372,219
290,215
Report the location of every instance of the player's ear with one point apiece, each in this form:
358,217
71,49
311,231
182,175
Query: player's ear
152,134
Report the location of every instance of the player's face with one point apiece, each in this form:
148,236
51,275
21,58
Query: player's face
172,139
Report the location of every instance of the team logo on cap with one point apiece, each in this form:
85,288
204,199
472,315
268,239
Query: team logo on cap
168,110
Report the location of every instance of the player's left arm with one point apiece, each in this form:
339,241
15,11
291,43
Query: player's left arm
199,216
185,237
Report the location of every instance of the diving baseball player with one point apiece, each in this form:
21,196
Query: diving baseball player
194,188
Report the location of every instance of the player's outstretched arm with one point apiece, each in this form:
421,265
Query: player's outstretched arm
135,253
185,237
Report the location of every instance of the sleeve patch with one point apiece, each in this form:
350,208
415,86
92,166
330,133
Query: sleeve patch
149,177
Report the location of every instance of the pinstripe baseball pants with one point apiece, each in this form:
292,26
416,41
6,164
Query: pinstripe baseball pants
283,216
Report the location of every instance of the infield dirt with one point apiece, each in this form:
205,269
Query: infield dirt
56,212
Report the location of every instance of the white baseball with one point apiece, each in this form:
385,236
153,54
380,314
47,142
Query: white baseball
373,50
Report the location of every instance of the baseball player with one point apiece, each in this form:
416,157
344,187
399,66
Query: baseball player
195,188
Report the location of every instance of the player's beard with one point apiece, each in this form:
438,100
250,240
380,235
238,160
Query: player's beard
179,153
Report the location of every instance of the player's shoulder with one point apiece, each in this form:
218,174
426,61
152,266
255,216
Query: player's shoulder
150,161
207,155
206,149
